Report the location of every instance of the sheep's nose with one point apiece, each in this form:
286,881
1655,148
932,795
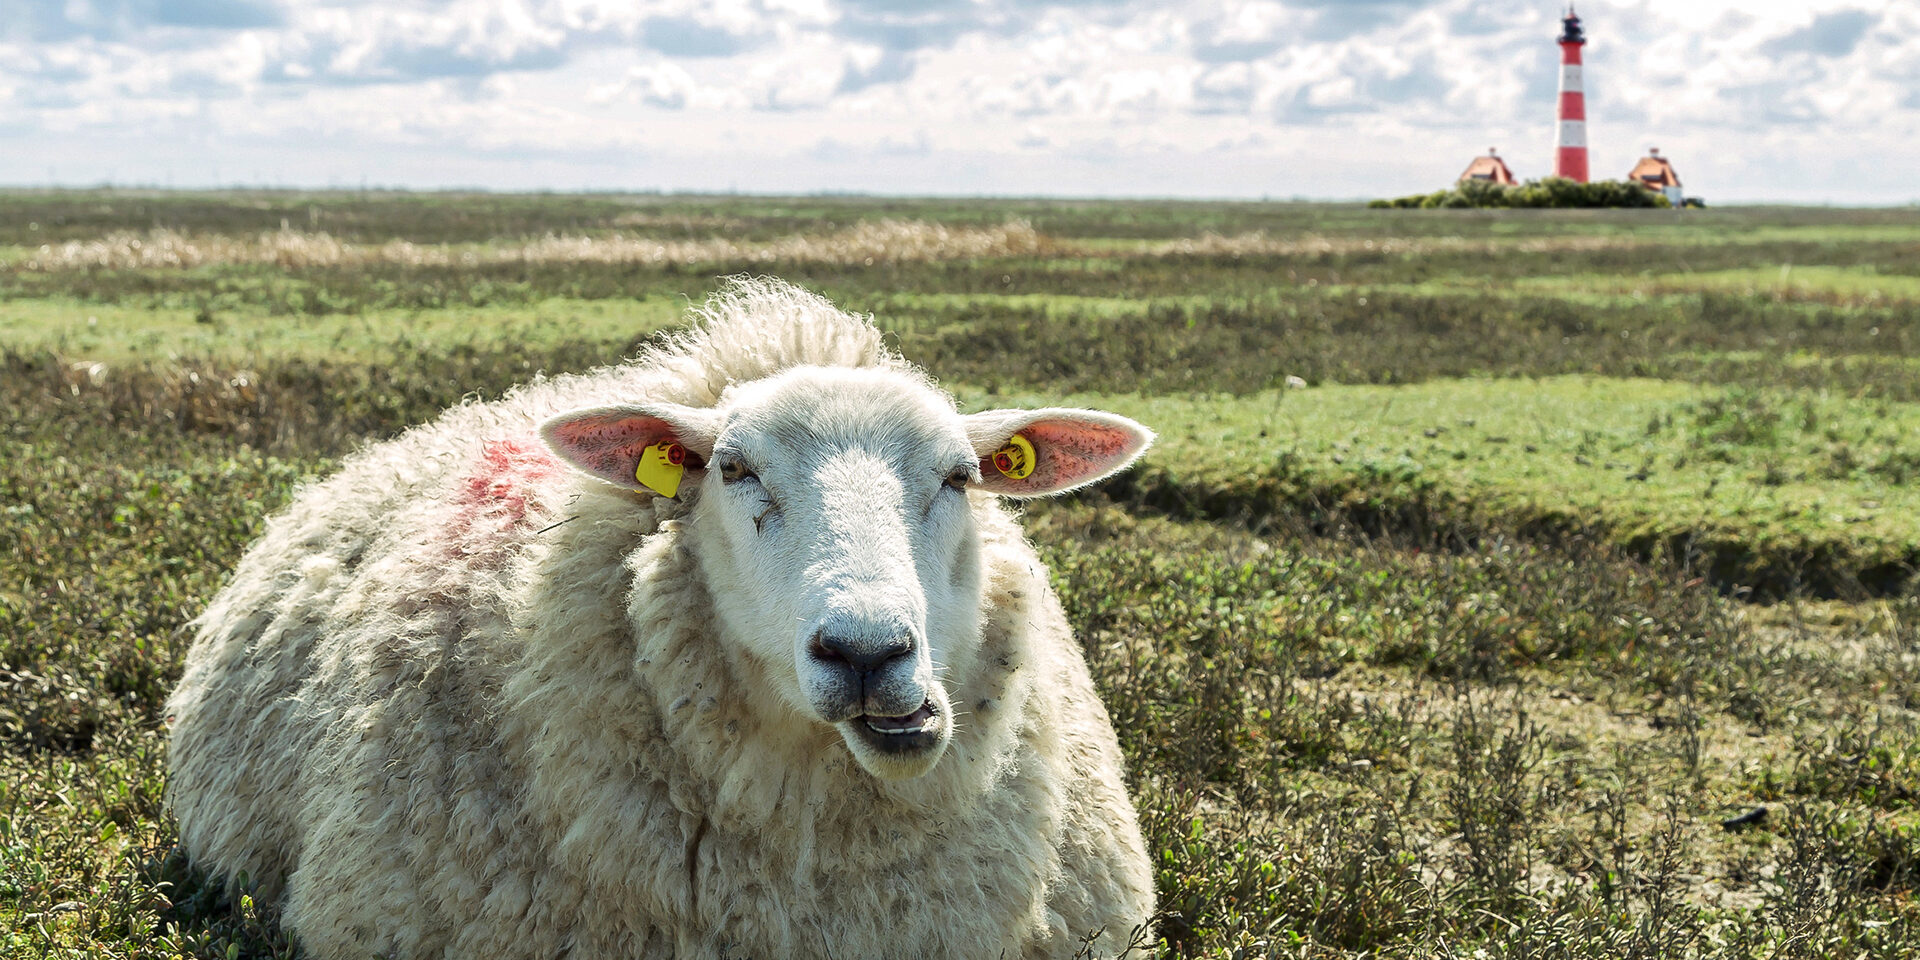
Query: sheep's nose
862,655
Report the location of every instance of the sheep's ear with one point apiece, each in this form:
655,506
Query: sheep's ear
613,442
1032,453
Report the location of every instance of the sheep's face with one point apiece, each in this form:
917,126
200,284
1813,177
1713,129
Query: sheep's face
834,511
834,523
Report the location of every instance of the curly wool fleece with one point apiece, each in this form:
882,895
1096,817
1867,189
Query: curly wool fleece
462,701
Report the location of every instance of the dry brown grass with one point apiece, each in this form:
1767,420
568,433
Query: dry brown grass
867,242
1260,243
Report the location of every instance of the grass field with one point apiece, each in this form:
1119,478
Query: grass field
1589,534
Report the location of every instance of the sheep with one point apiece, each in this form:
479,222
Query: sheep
731,651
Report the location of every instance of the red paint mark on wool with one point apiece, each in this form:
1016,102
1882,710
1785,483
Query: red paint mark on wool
495,497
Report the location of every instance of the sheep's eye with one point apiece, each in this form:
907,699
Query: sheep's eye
734,471
958,477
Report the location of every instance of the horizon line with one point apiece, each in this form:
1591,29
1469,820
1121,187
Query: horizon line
239,188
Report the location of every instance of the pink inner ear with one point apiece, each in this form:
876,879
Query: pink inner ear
609,446
1068,451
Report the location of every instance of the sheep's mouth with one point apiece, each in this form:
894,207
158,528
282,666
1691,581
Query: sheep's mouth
914,731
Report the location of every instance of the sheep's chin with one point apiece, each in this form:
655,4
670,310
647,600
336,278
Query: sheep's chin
900,756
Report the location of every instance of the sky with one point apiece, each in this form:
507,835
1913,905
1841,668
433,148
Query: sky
1808,102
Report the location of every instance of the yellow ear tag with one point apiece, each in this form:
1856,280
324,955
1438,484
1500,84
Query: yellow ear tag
661,467
1015,460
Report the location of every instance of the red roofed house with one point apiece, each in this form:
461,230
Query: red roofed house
1491,168
1656,174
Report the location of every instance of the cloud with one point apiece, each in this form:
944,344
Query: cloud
904,7
1476,21
46,20
917,144
665,86
1341,19
688,37
972,89
908,25
1421,82
379,45
1829,35
890,66
1252,32
1780,102
1223,89
219,14
406,61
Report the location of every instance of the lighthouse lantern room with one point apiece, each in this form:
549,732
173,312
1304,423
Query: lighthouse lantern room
1570,159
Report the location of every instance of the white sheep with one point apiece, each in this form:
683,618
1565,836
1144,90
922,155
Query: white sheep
480,695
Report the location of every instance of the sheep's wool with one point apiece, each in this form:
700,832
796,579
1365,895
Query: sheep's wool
460,701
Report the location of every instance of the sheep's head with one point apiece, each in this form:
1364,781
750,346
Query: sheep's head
834,520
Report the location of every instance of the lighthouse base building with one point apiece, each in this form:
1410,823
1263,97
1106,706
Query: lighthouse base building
1655,173
1489,168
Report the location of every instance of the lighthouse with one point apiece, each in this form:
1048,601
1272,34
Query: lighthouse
1570,160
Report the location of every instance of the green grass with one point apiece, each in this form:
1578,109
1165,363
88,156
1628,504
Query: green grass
1444,655
118,335
32,217
1844,284
1783,490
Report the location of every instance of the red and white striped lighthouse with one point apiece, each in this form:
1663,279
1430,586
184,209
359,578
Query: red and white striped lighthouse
1570,159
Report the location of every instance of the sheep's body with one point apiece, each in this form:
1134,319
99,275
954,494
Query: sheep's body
432,722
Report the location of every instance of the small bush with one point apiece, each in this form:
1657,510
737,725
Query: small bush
1550,192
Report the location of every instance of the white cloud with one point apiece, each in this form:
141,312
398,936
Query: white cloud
1751,99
